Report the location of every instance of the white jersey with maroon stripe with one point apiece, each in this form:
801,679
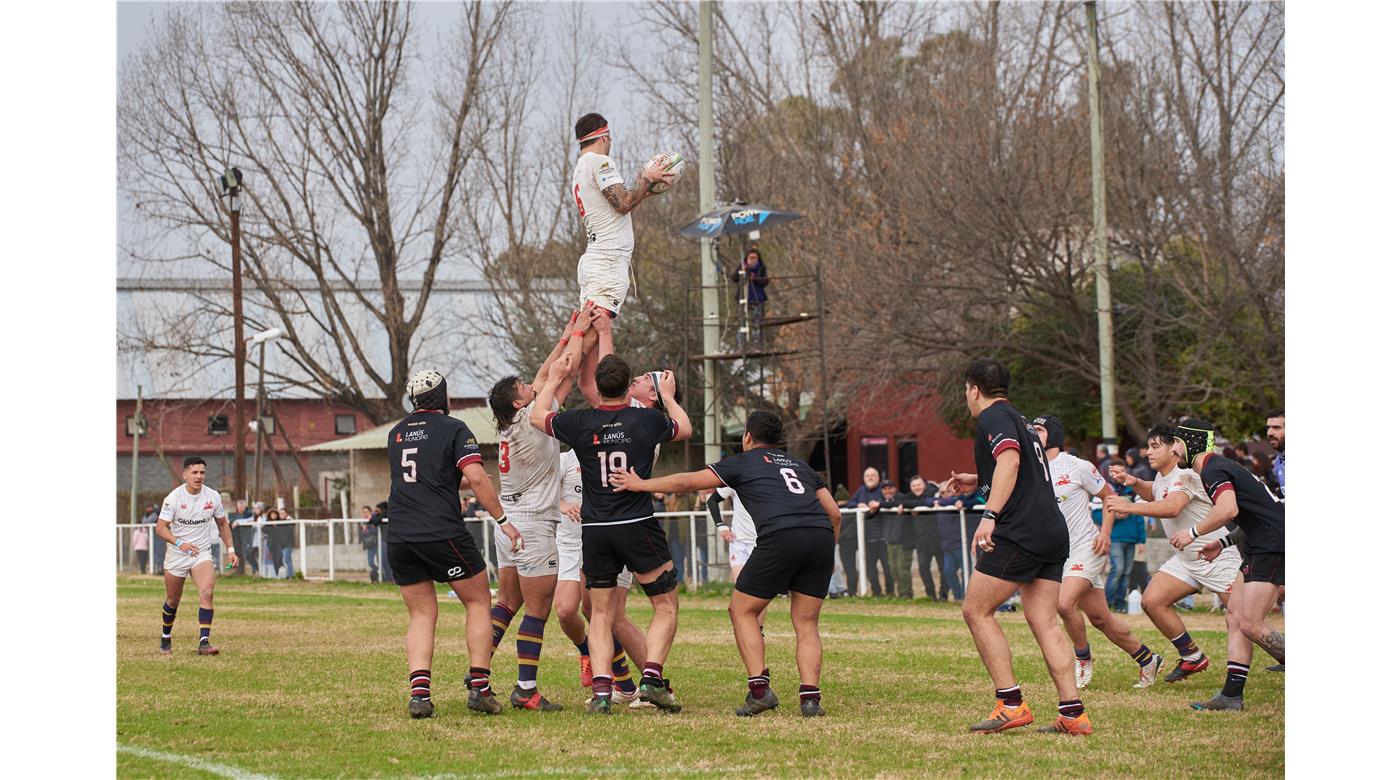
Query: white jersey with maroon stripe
608,231
1186,481
529,465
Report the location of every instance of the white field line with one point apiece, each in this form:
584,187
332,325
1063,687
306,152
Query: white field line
222,770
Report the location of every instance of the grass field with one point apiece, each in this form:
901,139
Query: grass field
312,683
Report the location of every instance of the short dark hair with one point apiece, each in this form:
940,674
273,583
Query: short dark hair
588,123
1275,413
1162,432
613,377
502,401
193,460
989,376
765,426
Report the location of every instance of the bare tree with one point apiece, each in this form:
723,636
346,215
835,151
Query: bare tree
354,193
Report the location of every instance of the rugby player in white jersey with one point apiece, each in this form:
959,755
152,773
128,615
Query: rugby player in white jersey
190,518
1178,497
1076,482
530,482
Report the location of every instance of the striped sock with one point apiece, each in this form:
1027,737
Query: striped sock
1084,654
206,622
1236,675
1142,655
1072,708
167,620
809,693
1186,646
758,685
651,675
622,674
420,683
480,680
602,686
582,646
527,650
500,621
1011,697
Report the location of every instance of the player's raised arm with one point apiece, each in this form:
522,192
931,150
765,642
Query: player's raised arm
685,482
624,200
564,343
673,409
539,414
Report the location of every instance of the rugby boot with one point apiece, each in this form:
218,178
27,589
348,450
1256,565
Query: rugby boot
1003,718
812,708
600,705
1077,726
620,697
420,707
754,706
164,646
1219,702
483,702
1147,675
585,672
1185,668
661,696
532,699
207,649
1083,672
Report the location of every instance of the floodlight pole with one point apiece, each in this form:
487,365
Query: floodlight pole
257,457
1107,405
709,280
239,349
135,454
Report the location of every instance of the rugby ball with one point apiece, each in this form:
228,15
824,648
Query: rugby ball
672,164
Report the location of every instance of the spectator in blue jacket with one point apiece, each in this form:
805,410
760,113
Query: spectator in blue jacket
952,534
752,278
898,547
926,541
1128,533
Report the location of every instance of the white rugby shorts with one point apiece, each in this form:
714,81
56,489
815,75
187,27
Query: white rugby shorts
180,563
1082,562
739,553
604,278
540,556
1217,576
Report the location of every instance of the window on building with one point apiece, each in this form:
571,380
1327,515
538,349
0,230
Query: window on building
218,424
344,424
131,426
269,424
875,452
908,449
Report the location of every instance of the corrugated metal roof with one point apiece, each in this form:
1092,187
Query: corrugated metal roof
478,418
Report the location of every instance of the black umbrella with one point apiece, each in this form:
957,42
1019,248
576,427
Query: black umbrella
736,218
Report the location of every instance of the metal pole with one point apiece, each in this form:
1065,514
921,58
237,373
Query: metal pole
135,454
240,484
301,537
258,446
821,363
962,531
694,554
709,293
330,547
864,589
1105,300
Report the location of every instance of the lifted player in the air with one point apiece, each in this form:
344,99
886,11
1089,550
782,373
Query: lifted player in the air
1076,482
1023,544
432,456
530,483
1237,496
191,517
1179,499
797,522
619,529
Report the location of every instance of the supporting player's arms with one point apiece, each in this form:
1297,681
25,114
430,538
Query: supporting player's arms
539,413
587,382
685,482
624,200
475,478
673,409
1225,510
558,350
833,512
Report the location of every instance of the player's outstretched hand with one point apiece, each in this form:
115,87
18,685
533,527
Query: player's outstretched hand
626,481
668,383
982,539
1211,550
1118,505
963,482
1121,476
655,169
516,543
1181,539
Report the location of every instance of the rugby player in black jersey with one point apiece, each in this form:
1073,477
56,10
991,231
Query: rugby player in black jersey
431,456
797,521
1022,543
619,529
1239,497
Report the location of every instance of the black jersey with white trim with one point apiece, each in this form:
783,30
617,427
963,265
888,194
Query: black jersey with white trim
778,490
1031,518
1261,515
427,452
611,438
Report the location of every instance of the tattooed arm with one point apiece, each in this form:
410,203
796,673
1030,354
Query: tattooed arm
624,200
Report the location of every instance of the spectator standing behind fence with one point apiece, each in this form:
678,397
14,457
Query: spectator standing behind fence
141,545
158,544
242,534
868,491
281,540
255,536
1128,533
925,530
899,542
752,278
953,535
1274,431
377,520
369,539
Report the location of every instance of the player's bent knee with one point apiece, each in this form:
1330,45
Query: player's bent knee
661,585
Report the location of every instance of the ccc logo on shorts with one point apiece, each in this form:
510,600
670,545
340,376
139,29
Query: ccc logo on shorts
454,571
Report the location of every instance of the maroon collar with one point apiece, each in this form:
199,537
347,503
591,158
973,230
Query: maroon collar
612,407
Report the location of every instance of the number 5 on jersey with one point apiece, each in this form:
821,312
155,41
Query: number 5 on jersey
411,473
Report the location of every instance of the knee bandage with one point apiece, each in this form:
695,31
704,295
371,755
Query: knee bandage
661,585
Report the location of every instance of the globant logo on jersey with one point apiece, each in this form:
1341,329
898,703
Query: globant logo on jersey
191,520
